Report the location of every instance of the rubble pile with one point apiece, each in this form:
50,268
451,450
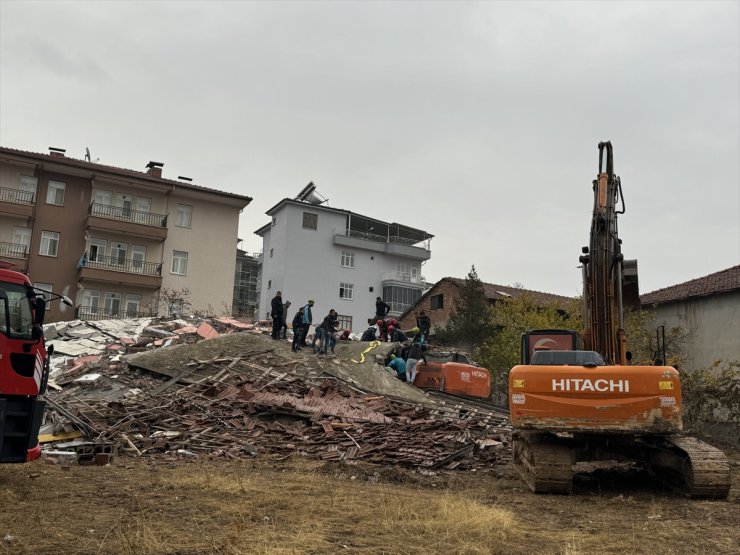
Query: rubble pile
230,395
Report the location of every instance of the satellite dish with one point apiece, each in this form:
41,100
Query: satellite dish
309,194
87,154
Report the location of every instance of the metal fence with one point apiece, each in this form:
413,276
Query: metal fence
127,215
102,313
13,250
16,196
118,264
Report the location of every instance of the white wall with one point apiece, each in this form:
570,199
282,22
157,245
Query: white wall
715,321
307,265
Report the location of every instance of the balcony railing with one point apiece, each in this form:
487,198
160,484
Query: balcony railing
118,264
403,277
16,196
13,250
127,215
101,313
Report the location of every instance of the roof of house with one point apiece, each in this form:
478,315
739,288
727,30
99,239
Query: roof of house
718,282
95,167
420,234
495,292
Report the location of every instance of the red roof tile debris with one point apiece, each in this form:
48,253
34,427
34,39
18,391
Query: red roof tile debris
718,282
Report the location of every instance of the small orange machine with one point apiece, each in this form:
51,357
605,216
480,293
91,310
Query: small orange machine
458,378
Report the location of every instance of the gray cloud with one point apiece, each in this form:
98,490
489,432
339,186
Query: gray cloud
476,121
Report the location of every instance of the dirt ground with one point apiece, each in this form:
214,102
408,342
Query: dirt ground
295,506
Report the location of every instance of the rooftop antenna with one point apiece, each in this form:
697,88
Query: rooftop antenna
310,195
87,154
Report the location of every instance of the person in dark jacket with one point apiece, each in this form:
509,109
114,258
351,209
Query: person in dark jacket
413,355
396,334
298,330
369,334
284,328
424,323
276,312
381,309
328,330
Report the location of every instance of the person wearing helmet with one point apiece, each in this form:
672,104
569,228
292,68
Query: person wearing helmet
382,331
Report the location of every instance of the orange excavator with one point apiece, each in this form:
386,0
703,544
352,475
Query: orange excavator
570,405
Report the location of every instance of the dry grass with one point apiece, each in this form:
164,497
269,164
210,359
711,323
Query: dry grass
300,507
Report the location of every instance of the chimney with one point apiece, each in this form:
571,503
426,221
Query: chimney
59,152
154,169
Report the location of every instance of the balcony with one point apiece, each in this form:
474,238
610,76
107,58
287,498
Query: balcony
121,271
16,254
101,313
408,280
113,219
15,202
388,244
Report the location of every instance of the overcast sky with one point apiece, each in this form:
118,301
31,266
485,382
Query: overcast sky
477,122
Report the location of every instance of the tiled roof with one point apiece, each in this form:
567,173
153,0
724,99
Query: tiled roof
495,292
95,167
719,282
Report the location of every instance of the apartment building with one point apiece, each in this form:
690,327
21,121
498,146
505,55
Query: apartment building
114,239
340,259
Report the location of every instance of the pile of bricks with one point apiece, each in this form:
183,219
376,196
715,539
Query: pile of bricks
239,408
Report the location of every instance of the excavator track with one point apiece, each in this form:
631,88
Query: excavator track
543,461
703,470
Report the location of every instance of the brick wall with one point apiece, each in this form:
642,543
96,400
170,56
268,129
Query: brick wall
438,316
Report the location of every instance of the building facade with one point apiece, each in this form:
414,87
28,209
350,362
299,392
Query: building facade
114,240
439,301
709,309
341,260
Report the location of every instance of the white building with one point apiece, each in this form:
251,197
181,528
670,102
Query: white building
340,259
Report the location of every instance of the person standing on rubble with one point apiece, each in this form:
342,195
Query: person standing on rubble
276,312
307,321
415,353
424,323
298,330
381,309
283,334
327,331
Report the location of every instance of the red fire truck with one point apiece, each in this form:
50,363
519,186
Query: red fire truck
24,366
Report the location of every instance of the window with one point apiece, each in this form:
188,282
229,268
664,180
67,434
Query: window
27,192
123,206
271,253
143,208
346,291
437,301
345,322
400,298
269,283
21,241
112,303
47,288
179,262
407,271
348,259
102,197
91,300
55,193
118,252
132,305
310,221
138,257
19,311
49,243
97,250
184,215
